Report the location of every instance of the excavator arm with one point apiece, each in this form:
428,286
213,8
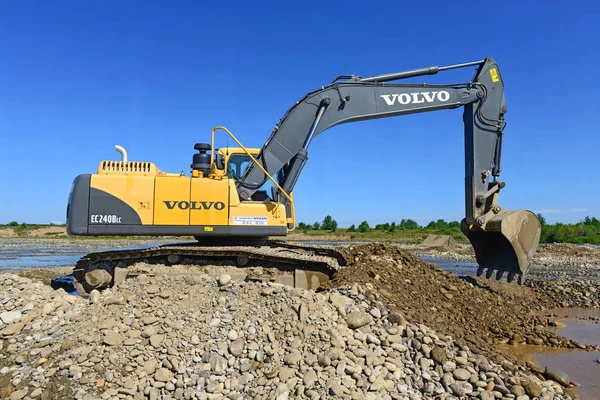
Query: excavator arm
504,241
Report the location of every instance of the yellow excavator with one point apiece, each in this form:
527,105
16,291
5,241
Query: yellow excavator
236,200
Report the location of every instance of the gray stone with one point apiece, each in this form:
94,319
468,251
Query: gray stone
533,389
152,289
156,340
19,394
286,373
397,318
557,376
224,279
517,390
150,366
461,374
13,329
310,377
292,358
8,317
335,389
358,319
162,375
236,348
113,338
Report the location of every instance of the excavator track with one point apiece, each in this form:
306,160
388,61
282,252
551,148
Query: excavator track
299,265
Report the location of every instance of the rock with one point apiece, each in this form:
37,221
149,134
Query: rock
13,329
292,358
340,301
36,393
487,395
8,317
533,389
439,355
150,366
286,373
461,374
375,312
302,312
94,296
309,378
162,375
19,394
335,389
324,360
458,390
517,390
397,318
156,340
236,348
557,376
224,279
148,332
113,338
152,289
358,319
232,334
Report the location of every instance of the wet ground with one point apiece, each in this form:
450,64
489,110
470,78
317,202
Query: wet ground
581,366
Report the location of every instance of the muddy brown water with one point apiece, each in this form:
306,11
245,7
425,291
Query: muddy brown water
580,365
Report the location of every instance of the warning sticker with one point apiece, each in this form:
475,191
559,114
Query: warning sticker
494,74
250,220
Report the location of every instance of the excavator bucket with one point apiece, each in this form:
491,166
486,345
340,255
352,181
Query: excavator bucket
506,243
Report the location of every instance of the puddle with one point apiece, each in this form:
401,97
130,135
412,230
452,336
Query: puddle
581,366
15,258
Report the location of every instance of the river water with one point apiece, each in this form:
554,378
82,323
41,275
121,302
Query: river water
17,255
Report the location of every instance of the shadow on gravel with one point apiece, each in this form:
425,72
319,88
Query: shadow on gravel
64,282
476,283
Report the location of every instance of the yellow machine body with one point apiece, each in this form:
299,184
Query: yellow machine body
137,198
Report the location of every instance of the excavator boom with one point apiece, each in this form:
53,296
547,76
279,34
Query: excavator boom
503,241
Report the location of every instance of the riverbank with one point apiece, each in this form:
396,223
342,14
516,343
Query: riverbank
474,313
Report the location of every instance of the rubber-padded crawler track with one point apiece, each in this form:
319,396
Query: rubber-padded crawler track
283,255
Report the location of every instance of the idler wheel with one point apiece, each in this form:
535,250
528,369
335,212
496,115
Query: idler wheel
100,275
242,261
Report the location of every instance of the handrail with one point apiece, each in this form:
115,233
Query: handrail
287,196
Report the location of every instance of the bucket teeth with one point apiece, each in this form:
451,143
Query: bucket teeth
499,274
489,272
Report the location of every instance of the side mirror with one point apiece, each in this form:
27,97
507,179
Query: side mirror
220,162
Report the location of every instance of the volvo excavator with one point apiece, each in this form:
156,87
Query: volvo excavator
235,201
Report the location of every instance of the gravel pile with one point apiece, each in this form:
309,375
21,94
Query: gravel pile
197,337
569,293
475,312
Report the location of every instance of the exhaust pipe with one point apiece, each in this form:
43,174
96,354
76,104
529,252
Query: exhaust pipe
123,152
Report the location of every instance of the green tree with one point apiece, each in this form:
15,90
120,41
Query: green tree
316,226
542,220
329,224
13,223
408,224
302,226
392,227
352,228
364,227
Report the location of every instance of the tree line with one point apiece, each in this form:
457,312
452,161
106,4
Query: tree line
585,231
330,224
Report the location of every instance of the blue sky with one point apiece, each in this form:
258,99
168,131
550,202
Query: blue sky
77,77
